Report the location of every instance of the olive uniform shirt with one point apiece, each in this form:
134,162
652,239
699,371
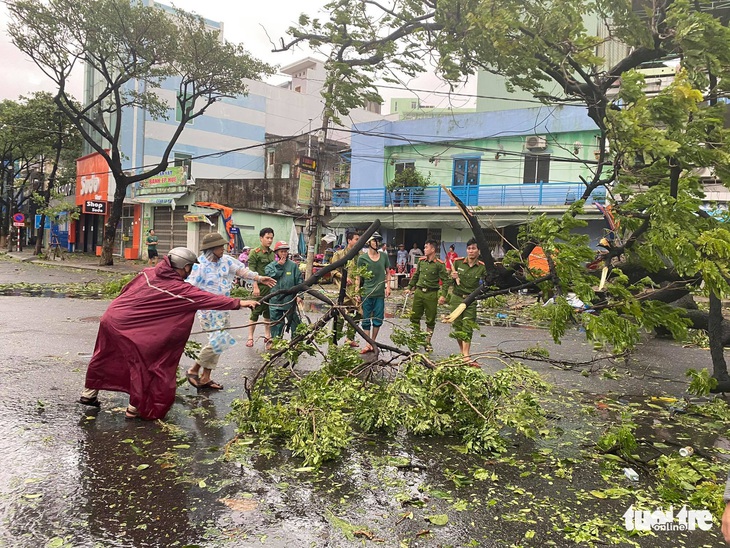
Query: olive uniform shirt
469,277
351,290
428,274
258,259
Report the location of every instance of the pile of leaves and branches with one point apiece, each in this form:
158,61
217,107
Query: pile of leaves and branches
317,415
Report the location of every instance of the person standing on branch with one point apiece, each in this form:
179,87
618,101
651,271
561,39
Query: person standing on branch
350,300
466,275
215,274
142,336
151,242
374,289
425,284
258,259
286,273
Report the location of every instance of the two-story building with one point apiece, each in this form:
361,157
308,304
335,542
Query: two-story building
507,165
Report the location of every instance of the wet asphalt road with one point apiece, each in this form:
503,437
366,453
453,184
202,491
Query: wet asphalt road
72,476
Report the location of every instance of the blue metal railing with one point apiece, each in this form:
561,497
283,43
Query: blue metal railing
550,194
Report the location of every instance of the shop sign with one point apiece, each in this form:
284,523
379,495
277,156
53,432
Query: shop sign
94,208
173,176
310,164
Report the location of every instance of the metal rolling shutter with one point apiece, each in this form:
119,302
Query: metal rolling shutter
169,237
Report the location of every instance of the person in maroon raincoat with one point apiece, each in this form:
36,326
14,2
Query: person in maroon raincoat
142,336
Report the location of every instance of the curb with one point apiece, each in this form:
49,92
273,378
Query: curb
70,265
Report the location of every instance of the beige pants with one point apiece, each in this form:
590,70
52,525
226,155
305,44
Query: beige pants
207,358
91,393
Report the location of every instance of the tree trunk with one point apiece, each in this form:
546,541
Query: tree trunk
714,331
110,227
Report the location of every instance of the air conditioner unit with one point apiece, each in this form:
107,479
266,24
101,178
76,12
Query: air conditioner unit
536,142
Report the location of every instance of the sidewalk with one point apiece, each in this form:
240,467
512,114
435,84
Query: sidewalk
81,261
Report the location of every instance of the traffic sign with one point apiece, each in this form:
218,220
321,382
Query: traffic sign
19,218
19,225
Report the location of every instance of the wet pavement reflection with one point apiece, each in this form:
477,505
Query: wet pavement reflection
76,476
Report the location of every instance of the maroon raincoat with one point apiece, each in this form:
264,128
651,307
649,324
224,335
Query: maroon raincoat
142,336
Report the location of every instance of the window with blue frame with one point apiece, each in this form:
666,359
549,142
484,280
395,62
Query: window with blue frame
466,171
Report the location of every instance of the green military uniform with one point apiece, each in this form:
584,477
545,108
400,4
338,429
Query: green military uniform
425,283
258,259
350,292
469,279
284,306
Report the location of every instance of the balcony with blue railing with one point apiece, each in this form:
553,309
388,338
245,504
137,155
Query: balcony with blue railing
525,195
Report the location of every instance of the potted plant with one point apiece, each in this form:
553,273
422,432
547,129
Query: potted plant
408,181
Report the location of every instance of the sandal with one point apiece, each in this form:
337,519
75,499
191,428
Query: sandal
93,402
267,343
249,343
353,344
367,349
130,414
193,379
210,385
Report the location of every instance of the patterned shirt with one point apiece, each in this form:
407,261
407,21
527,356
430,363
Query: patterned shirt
217,277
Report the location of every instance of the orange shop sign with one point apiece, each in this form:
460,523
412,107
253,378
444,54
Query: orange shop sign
92,179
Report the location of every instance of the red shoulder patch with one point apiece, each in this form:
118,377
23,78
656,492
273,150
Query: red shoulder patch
423,259
481,263
440,261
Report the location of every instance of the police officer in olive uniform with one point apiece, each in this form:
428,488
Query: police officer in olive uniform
258,260
425,284
466,275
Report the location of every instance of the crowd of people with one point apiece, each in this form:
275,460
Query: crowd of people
142,334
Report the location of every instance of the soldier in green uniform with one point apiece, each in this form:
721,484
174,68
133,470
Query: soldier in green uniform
466,275
351,289
425,284
258,259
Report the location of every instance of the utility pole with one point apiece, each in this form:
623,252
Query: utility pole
315,218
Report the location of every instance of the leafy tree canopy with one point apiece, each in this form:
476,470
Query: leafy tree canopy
130,49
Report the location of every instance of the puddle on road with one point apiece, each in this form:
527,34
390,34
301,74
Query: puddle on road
81,477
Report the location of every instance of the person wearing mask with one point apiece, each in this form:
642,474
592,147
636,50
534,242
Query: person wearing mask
142,336
215,273
258,259
425,285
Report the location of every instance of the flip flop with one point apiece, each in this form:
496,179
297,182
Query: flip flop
93,402
367,349
210,385
249,343
354,344
193,379
130,415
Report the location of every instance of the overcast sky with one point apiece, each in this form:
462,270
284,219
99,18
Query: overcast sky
248,22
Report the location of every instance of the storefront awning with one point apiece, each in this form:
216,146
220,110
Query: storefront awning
420,220
158,199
